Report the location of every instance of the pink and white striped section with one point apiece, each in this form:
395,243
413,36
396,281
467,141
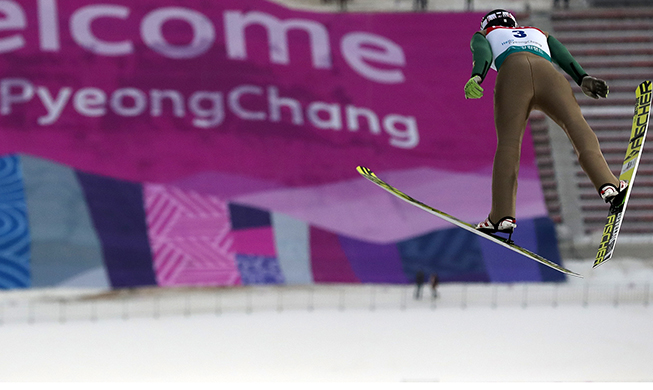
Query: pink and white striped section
191,239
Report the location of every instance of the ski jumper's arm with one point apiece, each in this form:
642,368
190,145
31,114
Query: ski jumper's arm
481,54
563,58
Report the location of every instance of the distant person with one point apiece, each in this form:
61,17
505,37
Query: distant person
419,283
434,281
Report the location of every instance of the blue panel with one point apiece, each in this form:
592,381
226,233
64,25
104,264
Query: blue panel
374,263
14,227
506,266
259,269
547,246
454,254
244,217
119,218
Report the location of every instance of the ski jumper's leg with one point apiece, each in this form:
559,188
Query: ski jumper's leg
513,93
554,97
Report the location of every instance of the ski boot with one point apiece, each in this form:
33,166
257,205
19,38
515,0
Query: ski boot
505,225
610,194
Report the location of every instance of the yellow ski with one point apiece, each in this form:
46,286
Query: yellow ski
368,174
628,172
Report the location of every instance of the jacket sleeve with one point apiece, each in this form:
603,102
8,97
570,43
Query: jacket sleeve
481,54
563,58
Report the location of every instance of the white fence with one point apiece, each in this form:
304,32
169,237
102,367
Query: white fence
85,305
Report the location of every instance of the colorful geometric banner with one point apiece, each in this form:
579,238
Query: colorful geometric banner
215,143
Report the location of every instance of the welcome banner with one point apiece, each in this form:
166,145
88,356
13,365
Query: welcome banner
215,143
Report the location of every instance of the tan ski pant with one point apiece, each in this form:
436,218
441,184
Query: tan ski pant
525,82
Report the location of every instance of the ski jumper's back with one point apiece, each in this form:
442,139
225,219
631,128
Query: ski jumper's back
527,80
507,40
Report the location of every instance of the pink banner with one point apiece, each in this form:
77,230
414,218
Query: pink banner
253,102
215,143
161,91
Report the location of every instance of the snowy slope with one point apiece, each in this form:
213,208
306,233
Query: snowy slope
390,341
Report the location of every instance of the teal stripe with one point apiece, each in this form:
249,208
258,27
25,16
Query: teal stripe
65,245
514,49
291,237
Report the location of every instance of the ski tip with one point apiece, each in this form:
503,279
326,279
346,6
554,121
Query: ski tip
364,171
575,274
601,258
597,264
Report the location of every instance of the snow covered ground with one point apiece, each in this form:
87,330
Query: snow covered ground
482,344
588,330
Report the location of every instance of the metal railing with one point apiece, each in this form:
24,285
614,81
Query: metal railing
85,305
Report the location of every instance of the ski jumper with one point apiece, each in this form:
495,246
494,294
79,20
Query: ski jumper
527,80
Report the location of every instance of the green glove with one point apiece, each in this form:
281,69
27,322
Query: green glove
472,89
